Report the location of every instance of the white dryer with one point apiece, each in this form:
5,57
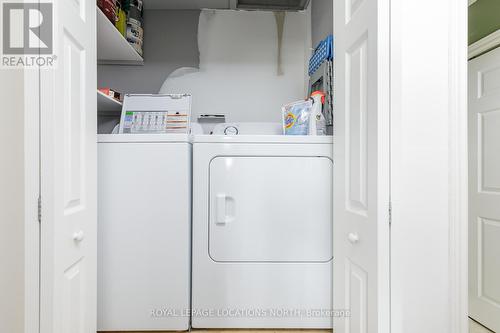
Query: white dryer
262,231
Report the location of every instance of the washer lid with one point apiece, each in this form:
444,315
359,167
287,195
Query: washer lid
305,139
124,138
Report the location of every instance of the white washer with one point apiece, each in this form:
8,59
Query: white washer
262,231
144,237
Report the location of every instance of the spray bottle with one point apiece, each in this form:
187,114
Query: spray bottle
317,121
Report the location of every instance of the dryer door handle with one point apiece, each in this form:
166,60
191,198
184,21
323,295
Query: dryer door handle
220,208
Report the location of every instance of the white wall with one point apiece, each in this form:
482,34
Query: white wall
321,20
170,42
12,201
238,68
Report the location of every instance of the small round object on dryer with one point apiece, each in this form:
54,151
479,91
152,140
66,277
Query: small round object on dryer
231,130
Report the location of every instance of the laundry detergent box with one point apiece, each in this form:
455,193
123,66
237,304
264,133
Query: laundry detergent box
296,117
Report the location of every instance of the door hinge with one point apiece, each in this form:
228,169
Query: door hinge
390,213
39,209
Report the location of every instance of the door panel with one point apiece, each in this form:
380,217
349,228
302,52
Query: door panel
484,189
261,210
356,293
68,173
73,315
361,173
74,60
356,114
488,272
488,150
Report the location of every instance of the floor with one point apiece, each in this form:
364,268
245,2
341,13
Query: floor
263,331
242,331
473,328
477,328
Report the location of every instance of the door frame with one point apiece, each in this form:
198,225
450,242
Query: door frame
425,191
456,178
458,154
32,204
32,226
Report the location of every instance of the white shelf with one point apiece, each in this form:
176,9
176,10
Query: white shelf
112,47
107,104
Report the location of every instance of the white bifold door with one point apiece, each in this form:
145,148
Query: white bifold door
361,167
68,173
484,189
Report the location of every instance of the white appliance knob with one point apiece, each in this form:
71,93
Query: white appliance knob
231,130
353,237
78,236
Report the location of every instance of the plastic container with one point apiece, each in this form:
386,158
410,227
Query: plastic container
296,117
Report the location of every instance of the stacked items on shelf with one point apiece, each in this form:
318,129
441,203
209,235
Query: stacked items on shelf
126,15
111,93
109,8
108,100
121,19
135,32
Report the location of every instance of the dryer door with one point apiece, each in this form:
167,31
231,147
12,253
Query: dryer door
270,209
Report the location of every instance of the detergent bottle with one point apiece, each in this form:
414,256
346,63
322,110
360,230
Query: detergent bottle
317,121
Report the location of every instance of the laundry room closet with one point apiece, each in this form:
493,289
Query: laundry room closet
215,164
255,61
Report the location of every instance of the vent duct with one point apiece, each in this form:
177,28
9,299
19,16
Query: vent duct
274,5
